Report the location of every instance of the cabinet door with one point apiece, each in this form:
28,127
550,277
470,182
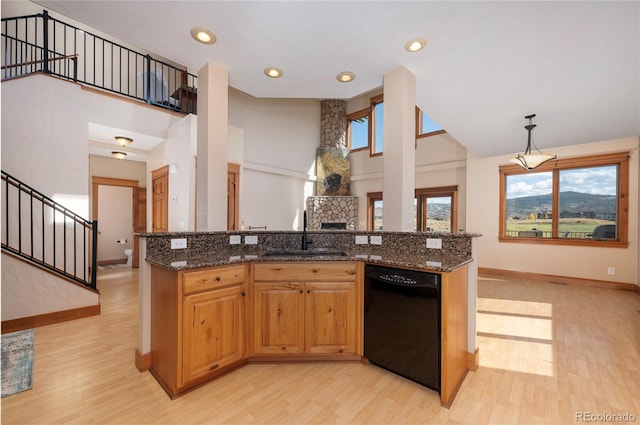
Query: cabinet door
278,318
331,317
212,331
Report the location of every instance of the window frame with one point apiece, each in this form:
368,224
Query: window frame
352,117
373,102
372,197
619,159
421,196
420,135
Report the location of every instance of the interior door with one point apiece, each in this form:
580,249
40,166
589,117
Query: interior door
160,201
139,221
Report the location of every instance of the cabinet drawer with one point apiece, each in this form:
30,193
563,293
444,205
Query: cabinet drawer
205,280
304,271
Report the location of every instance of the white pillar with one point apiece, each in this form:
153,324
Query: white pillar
213,135
399,150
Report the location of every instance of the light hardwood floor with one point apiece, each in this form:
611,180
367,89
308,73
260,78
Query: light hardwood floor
547,353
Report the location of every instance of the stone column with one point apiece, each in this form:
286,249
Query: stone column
333,123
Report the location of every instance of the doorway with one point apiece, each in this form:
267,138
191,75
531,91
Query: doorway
116,216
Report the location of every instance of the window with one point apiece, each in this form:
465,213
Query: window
425,126
358,130
578,201
436,209
374,211
376,126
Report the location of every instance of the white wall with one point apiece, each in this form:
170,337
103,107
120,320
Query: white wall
279,148
29,291
177,152
559,260
102,166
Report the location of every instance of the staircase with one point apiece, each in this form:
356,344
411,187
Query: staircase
43,232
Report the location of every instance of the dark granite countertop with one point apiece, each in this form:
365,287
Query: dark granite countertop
426,262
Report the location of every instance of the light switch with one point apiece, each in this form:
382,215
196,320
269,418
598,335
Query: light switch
376,240
362,239
234,239
251,240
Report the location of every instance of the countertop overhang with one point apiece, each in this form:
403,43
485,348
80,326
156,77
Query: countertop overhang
434,263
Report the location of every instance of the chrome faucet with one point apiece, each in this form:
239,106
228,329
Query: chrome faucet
305,240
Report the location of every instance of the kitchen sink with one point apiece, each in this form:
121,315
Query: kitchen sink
303,252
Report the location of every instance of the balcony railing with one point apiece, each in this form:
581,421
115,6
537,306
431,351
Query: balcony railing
41,43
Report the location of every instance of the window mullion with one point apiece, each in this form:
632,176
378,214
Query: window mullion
555,204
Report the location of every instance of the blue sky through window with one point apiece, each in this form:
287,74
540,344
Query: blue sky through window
429,125
595,180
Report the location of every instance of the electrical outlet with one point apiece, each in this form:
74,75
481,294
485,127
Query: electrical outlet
611,271
251,240
234,240
434,243
180,243
376,240
362,239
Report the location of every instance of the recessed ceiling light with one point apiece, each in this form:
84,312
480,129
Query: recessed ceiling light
273,72
203,35
345,76
415,44
118,155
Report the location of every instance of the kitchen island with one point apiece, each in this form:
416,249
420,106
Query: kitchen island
183,292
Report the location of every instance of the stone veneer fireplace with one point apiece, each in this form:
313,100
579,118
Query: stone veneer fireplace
334,210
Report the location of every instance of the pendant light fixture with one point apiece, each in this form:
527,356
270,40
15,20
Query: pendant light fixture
118,155
529,160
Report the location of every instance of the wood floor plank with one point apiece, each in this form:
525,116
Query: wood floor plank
547,352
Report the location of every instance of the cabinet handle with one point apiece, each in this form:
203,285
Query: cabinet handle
243,294
218,278
215,366
202,321
308,291
301,291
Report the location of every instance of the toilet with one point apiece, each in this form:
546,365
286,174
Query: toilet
128,253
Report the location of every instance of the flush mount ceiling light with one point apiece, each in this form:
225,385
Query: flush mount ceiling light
203,35
345,77
273,72
415,45
528,160
118,154
123,141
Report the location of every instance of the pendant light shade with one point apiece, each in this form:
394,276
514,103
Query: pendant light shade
118,155
529,160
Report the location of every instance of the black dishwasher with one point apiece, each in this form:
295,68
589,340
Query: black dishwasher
402,322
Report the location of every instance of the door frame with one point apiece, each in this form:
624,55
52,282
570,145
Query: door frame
96,181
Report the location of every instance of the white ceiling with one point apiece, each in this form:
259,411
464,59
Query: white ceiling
487,64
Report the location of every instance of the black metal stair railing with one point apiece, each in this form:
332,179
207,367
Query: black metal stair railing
42,231
41,43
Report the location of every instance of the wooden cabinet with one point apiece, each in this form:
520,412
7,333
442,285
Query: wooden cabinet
212,331
454,319
197,324
307,308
